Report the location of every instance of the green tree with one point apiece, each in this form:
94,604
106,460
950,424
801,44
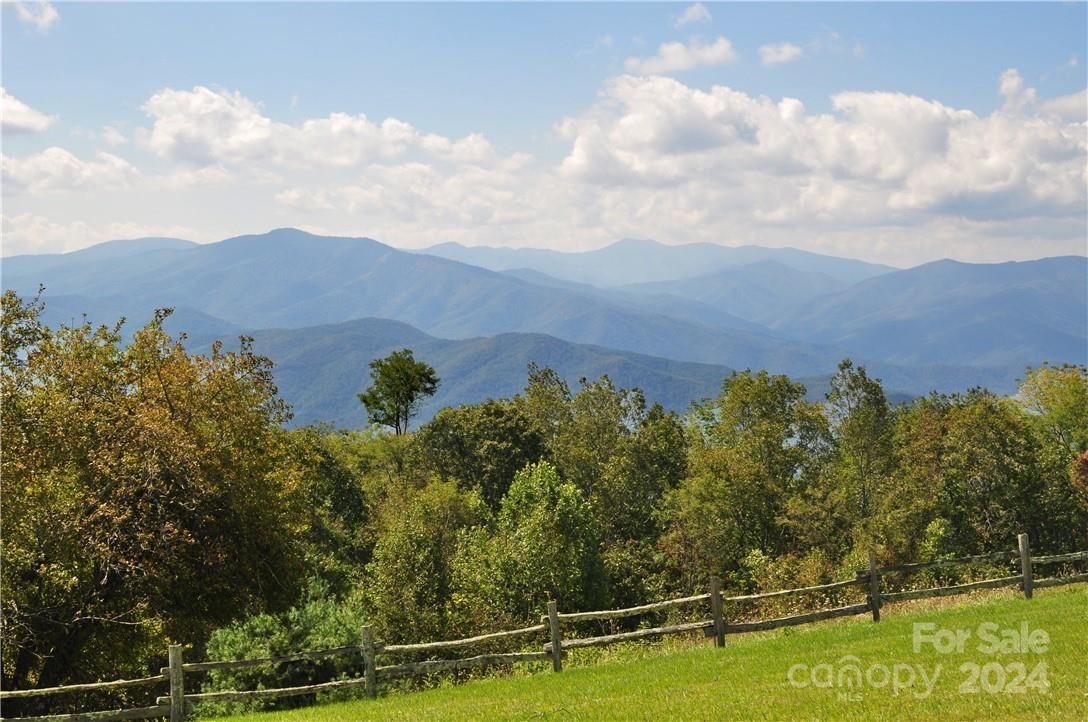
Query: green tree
398,383
624,458
599,420
1058,396
861,430
837,509
545,402
408,585
971,460
1057,399
633,481
751,449
482,446
339,534
554,538
545,546
134,476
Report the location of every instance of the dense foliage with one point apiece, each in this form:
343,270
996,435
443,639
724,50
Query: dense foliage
148,494
151,495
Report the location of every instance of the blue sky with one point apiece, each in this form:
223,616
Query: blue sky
538,83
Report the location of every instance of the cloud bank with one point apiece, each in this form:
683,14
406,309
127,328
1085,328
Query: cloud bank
883,175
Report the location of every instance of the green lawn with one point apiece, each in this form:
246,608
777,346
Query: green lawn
749,679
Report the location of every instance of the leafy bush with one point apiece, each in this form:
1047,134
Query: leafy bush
319,622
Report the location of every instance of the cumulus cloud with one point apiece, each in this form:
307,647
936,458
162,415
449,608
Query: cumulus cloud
410,196
882,175
55,169
779,53
1017,95
40,14
1073,107
205,126
18,117
696,13
673,57
880,157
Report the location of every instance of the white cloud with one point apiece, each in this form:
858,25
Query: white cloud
55,169
778,53
1017,95
696,13
205,126
881,175
41,14
32,233
672,57
1020,99
1073,107
112,137
18,117
203,177
880,158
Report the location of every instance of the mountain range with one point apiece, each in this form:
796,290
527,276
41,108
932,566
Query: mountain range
632,261
321,369
672,320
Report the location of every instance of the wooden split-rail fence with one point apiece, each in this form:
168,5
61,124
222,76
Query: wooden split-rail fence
177,702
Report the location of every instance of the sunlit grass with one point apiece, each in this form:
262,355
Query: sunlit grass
690,679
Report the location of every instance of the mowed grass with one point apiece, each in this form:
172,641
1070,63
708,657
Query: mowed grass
748,680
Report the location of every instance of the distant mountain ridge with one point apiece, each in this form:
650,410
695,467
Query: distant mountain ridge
631,261
944,325
321,369
763,292
982,314
289,278
123,248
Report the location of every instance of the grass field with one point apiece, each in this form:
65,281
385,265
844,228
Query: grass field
749,679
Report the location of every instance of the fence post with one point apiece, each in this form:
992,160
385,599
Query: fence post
370,659
557,637
1025,564
177,683
716,611
874,586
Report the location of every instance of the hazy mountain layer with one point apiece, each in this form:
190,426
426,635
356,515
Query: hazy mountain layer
959,313
321,369
641,261
288,278
944,325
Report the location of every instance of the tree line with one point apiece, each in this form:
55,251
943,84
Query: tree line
153,495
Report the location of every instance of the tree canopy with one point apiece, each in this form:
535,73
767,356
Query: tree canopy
148,494
151,495
398,383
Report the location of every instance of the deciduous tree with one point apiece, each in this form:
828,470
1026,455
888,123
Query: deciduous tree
398,383
147,494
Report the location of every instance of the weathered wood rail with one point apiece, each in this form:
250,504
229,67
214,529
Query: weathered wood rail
176,704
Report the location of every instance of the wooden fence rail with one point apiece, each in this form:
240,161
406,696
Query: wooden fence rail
178,701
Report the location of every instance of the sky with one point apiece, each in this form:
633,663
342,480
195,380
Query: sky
898,133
